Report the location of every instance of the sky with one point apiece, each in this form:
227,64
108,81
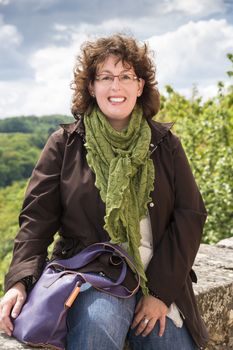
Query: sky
40,39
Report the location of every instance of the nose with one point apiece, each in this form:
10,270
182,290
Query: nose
115,84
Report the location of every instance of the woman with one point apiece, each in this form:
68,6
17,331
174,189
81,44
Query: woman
117,175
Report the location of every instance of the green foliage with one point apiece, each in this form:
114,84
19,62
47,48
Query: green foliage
18,156
11,199
206,132
32,124
230,57
21,141
10,204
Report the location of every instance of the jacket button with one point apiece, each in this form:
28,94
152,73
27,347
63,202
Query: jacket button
151,204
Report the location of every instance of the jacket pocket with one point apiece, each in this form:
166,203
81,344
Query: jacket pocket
193,276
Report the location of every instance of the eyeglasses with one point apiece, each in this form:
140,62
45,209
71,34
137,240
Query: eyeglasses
108,79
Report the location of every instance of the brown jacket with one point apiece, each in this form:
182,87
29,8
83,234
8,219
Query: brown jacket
61,196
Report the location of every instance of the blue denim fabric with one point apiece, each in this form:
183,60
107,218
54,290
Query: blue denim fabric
173,339
99,321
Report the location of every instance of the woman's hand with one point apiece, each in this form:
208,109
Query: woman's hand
11,305
148,311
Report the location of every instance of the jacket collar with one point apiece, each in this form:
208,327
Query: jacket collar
158,130
77,126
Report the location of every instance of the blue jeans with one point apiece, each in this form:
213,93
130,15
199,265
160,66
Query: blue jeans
98,321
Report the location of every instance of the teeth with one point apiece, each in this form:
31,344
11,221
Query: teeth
117,99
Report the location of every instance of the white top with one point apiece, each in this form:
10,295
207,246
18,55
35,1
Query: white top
146,252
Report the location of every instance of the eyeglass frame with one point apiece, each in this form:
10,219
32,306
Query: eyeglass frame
116,76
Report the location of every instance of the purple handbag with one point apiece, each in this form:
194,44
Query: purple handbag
42,321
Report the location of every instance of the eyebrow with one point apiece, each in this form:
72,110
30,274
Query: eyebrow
108,71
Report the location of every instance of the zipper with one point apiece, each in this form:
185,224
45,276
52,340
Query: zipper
73,295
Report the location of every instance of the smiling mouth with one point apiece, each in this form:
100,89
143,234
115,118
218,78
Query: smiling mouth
116,99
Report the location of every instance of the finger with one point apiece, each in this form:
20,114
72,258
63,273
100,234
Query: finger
162,325
5,329
6,323
137,319
18,306
149,327
142,327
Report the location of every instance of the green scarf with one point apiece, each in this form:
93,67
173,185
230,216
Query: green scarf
124,175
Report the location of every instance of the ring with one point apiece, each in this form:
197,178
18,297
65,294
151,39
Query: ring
145,320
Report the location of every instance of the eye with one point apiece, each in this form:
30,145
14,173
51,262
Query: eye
125,77
106,77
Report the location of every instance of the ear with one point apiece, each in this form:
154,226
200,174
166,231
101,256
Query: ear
141,84
91,89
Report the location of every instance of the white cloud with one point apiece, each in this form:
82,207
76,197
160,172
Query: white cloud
194,7
50,92
193,54
30,98
52,63
9,35
4,2
114,25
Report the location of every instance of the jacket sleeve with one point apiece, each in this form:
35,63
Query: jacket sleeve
39,219
174,256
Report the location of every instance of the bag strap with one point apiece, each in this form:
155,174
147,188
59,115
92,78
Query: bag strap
99,282
90,253
109,286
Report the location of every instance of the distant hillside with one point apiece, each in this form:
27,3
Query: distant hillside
21,141
32,124
11,199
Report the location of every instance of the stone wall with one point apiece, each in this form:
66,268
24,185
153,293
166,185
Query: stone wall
214,291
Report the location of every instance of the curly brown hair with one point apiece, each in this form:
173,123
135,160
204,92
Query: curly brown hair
130,52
